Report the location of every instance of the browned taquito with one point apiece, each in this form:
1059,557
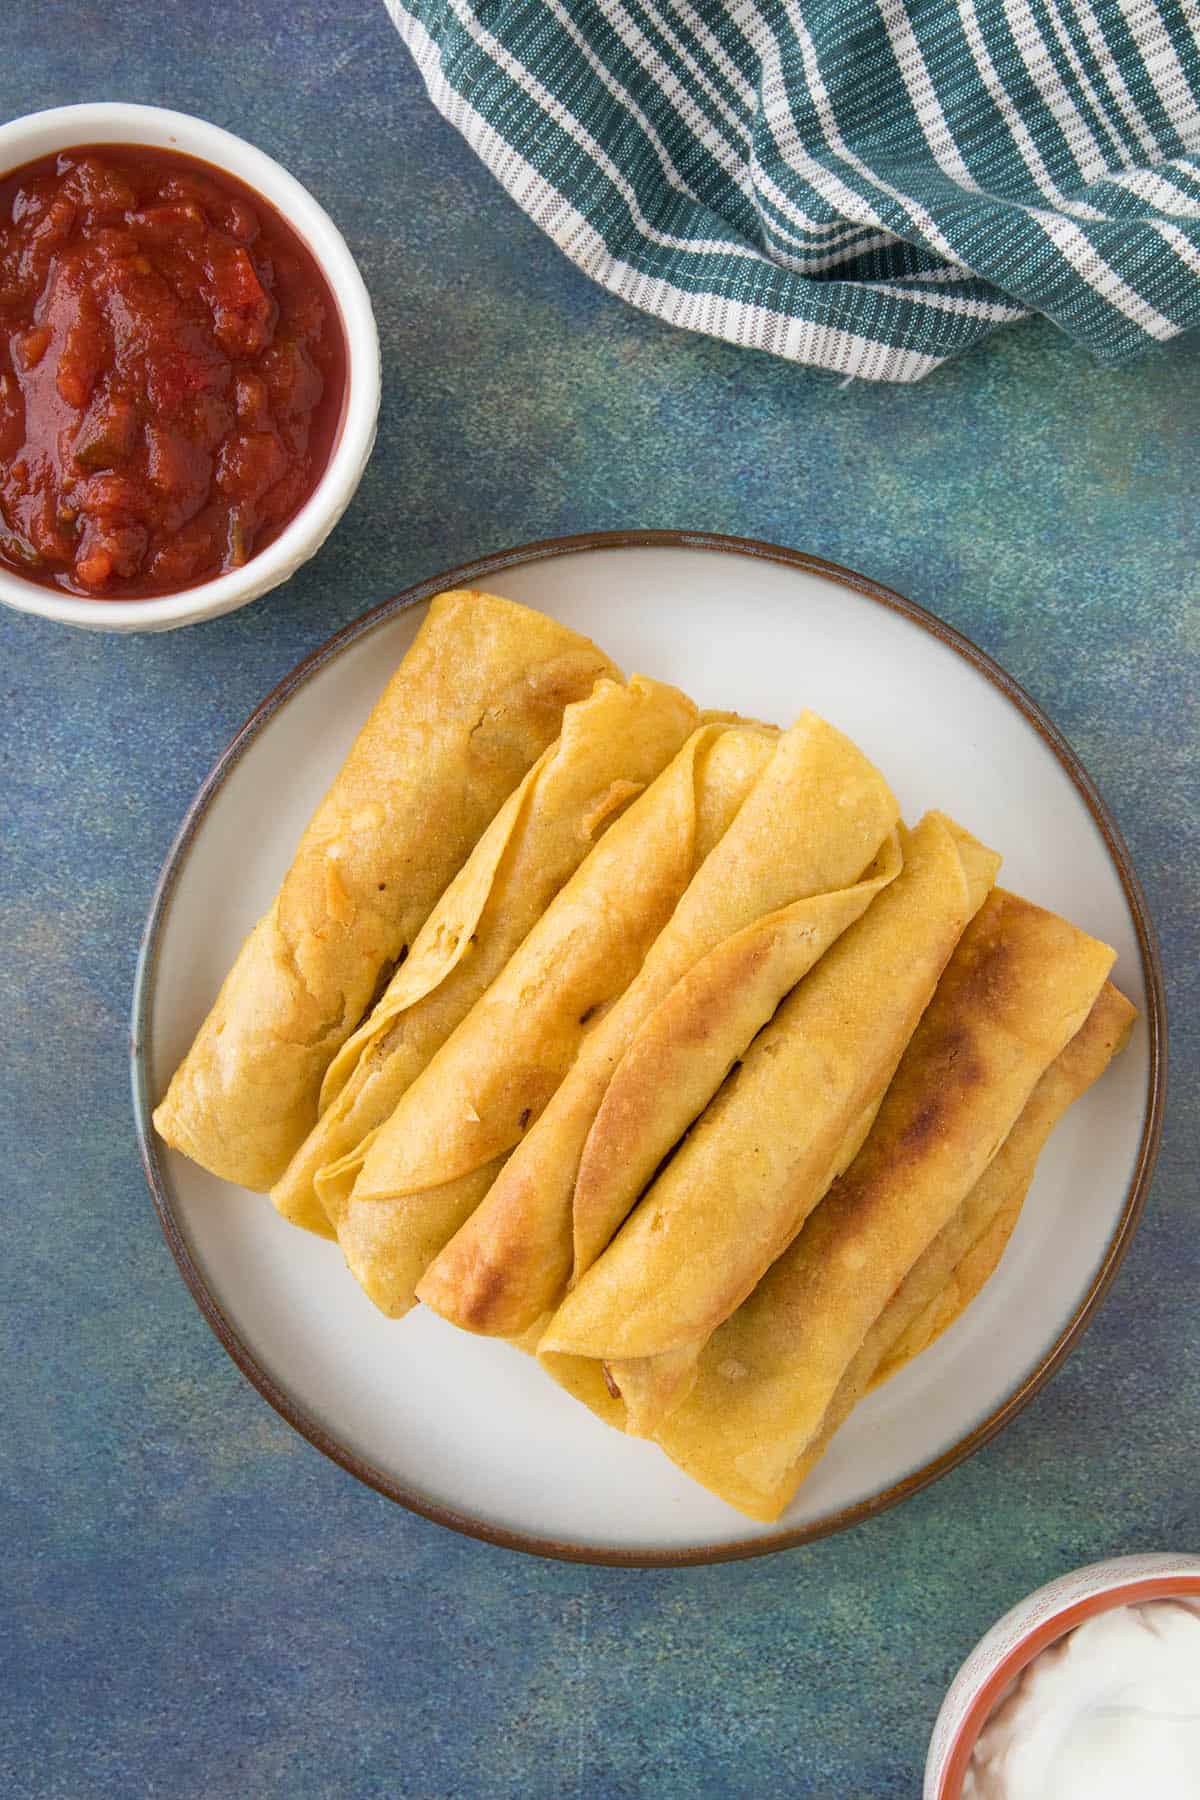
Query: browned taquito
975,1240
966,1253
612,745
474,703
401,1196
793,871
779,1132
1020,986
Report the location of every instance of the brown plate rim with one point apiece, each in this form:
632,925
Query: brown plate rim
471,574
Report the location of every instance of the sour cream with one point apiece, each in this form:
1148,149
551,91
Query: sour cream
1111,1710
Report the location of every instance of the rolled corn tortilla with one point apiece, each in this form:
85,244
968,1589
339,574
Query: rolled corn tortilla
1020,986
474,703
966,1253
784,1126
976,1238
403,1194
611,746
791,873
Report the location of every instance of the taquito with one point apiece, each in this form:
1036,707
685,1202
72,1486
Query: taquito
1019,987
793,871
474,703
966,1253
785,1124
400,1197
611,746
976,1239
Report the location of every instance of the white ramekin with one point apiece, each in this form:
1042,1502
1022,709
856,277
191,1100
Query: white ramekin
1030,1628
114,122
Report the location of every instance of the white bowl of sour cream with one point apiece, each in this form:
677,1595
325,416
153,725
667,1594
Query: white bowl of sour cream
1089,1688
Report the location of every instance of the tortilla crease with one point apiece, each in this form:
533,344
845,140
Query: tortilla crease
611,746
474,703
784,1126
793,871
1017,990
411,1185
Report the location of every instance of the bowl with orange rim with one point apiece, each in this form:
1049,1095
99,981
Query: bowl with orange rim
1042,1619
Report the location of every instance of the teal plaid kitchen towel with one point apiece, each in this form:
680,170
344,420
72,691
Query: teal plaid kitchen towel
867,186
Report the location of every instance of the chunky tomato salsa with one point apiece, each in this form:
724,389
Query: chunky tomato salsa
172,372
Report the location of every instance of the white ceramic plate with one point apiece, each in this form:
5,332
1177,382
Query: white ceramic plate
470,1431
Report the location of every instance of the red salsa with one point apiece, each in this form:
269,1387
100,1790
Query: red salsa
172,372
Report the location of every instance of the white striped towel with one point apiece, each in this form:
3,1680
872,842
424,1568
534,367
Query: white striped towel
868,186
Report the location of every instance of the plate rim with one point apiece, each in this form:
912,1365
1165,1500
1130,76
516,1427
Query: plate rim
312,1429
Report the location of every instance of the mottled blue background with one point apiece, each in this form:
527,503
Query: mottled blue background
192,1601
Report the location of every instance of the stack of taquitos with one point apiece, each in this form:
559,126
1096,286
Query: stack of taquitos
1021,1023
806,855
422,1173
611,746
474,703
749,1079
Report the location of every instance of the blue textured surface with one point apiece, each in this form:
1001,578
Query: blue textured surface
192,1601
